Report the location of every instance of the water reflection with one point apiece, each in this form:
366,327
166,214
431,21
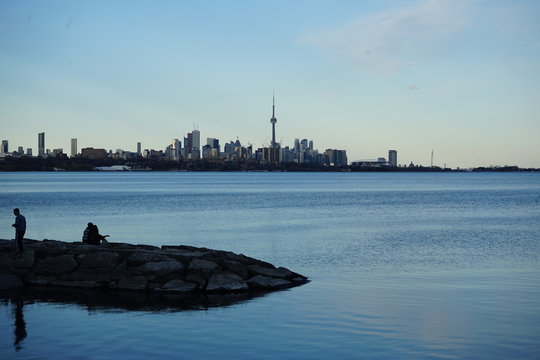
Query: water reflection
112,301
20,325
119,301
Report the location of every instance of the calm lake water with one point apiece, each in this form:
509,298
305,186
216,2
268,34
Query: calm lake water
402,266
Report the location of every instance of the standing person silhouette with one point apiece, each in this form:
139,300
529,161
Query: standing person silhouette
20,229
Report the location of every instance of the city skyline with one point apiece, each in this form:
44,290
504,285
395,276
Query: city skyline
459,78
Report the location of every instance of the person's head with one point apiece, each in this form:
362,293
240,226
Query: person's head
90,225
16,211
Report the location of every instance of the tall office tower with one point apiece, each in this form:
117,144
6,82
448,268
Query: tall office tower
196,144
29,152
273,121
304,144
392,158
196,140
21,150
139,150
311,145
177,148
41,144
296,145
73,147
5,147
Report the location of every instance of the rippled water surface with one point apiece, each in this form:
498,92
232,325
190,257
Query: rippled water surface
402,266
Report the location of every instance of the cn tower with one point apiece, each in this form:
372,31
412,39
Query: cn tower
273,120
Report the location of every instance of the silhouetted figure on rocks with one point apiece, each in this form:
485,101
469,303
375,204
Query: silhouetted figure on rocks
92,236
20,229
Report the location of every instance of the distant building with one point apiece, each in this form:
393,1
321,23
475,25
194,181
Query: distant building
5,147
139,150
58,152
73,147
336,157
41,144
29,152
392,158
92,153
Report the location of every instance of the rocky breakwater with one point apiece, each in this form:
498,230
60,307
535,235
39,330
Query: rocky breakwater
142,268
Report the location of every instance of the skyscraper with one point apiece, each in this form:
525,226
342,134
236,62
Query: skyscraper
41,144
392,158
139,150
273,121
196,140
73,147
5,147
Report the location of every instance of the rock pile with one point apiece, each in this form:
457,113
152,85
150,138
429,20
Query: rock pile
144,268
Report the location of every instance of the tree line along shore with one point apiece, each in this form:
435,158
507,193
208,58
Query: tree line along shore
85,164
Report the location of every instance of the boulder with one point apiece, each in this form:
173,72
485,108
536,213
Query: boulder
77,284
56,265
265,282
226,282
26,260
280,273
9,281
139,258
179,286
236,267
107,260
204,267
159,268
139,283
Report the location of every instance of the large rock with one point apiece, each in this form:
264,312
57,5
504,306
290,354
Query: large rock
236,267
107,260
204,267
139,283
280,273
158,269
8,281
265,282
26,260
56,265
226,282
139,258
179,286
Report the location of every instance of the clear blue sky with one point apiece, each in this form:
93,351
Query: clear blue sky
459,77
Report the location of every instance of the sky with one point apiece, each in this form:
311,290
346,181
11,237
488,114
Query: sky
457,78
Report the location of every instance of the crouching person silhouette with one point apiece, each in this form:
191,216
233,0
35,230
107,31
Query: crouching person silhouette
92,236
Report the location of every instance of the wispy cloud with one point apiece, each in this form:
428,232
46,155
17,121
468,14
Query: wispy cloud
385,42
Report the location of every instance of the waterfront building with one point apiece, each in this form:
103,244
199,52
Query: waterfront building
73,147
5,147
58,152
92,153
139,149
29,152
41,144
336,157
392,158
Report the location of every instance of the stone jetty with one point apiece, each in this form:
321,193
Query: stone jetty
139,268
